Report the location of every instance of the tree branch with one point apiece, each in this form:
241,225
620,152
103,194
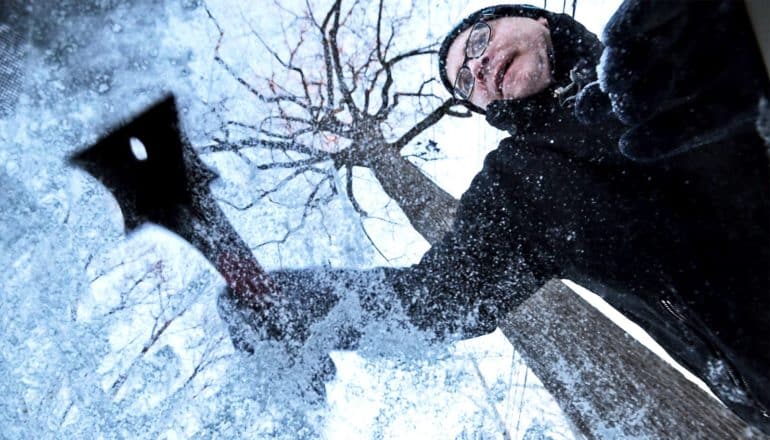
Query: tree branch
424,124
347,97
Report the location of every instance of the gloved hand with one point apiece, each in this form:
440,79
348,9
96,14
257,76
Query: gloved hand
680,74
306,297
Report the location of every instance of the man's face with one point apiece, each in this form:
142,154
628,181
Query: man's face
514,65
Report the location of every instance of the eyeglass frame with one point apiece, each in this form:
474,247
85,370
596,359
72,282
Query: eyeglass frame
467,58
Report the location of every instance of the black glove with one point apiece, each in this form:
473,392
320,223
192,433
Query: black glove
288,319
287,316
680,74
306,297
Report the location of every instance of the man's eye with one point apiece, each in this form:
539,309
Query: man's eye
464,84
475,47
477,41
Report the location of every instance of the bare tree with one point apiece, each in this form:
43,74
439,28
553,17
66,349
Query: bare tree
334,99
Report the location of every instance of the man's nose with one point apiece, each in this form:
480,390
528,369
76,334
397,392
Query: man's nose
479,67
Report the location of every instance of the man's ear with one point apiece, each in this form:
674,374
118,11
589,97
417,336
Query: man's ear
543,21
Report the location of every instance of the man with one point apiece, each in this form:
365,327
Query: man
672,228
670,225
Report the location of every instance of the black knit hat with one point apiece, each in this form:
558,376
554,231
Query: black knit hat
486,14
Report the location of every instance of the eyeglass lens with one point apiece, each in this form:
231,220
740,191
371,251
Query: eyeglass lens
478,39
464,83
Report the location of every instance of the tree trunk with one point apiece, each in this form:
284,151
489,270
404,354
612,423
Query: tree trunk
606,382
429,208
759,14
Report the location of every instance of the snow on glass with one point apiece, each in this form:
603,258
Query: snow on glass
108,336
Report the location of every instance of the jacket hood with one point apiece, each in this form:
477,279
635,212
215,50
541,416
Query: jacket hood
575,49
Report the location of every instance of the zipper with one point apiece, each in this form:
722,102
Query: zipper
736,378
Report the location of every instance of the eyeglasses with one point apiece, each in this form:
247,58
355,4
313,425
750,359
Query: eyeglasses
475,45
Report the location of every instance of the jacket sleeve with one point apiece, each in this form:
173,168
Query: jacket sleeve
481,268
462,285
492,259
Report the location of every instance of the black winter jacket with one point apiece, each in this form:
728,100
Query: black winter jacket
680,245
